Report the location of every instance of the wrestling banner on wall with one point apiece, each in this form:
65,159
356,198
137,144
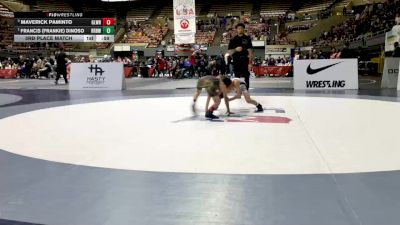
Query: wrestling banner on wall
184,21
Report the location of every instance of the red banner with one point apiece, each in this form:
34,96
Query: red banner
272,70
8,72
184,48
128,71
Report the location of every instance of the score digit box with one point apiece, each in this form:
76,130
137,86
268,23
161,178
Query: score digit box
108,30
108,21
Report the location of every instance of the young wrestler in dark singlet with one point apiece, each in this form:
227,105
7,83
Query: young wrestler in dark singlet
216,89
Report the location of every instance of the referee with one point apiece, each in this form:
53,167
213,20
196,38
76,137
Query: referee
241,50
61,69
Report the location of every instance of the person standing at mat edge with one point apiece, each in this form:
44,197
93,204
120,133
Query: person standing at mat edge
241,50
61,59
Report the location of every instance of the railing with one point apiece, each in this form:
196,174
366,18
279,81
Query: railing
369,35
323,43
281,42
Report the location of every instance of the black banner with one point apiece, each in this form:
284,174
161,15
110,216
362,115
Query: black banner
61,30
62,15
43,22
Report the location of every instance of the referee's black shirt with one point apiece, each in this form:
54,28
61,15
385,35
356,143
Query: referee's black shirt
243,41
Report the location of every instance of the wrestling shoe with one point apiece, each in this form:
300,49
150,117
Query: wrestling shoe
209,115
260,108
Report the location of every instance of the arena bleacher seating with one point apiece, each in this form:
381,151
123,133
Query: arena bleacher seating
231,8
341,4
166,12
369,20
6,33
140,13
146,33
15,5
205,38
100,7
5,12
52,6
274,8
256,30
315,6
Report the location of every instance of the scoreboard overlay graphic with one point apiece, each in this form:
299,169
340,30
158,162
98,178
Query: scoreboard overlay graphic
63,27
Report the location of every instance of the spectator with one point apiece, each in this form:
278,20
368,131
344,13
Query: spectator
347,53
187,67
45,70
335,54
161,67
202,64
220,64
